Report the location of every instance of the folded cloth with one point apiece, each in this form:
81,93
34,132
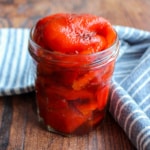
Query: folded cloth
15,61
130,90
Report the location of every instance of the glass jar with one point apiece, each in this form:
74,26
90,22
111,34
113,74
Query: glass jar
72,90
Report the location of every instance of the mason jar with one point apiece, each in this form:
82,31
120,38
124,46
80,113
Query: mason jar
72,90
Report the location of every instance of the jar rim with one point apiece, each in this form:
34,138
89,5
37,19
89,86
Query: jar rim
63,54
100,57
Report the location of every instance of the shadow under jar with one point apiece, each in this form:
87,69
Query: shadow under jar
72,90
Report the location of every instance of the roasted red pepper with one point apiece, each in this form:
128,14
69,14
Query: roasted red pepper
72,92
73,34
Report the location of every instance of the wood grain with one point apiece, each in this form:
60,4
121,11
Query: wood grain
6,120
19,128
24,13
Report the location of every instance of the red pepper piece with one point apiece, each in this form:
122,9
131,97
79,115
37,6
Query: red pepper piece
86,106
38,35
88,79
102,97
69,94
95,118
65,77
64,120
81,82
60,115
109,68
73,34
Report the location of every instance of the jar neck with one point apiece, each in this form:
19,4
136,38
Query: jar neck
40,54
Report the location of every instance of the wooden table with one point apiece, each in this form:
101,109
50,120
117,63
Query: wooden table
19,128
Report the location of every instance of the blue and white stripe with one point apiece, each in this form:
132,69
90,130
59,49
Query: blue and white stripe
130,91
15,62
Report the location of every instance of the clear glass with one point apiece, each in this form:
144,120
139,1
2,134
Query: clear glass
72,90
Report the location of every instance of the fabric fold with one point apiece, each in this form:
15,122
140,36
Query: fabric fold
130,91
130,117
15,61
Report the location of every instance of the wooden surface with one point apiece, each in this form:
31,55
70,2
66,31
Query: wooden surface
19,128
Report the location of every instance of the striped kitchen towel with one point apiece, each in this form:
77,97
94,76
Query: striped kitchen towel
15,61
130,91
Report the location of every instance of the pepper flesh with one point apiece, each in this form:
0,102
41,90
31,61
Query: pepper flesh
72,100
